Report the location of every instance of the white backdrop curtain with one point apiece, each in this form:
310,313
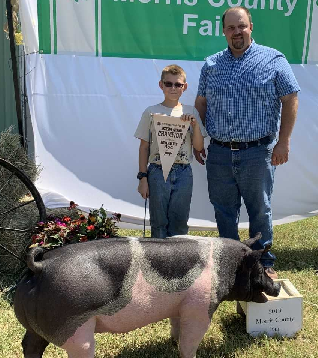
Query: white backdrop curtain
84,113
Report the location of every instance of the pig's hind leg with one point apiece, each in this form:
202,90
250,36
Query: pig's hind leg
192,331
82,343
33,345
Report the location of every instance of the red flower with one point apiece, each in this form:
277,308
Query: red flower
90,227
66,218
83,239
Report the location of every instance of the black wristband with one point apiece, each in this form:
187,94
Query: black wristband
141,175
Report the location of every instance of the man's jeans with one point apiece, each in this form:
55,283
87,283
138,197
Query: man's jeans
247,174
169,202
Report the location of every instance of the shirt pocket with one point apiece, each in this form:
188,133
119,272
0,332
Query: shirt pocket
263,89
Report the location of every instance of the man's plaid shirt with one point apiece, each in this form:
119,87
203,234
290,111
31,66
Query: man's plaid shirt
243,94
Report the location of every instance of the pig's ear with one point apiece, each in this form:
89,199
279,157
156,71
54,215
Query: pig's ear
252,257
250,242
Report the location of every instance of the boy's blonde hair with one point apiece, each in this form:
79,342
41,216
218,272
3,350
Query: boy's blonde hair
173,70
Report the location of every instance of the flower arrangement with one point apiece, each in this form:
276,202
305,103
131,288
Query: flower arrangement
59,231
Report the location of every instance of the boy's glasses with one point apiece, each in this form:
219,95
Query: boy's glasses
176,84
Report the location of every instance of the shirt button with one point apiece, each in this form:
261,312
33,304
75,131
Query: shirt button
229,113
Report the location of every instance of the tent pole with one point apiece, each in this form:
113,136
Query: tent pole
15,72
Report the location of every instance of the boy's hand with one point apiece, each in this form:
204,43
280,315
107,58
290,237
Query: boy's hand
200,155
189,117
143,188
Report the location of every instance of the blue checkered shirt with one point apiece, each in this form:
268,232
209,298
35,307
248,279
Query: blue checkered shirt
243,94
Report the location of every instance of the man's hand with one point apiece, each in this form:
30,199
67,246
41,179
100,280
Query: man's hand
200,155
280,153
288,119
143,188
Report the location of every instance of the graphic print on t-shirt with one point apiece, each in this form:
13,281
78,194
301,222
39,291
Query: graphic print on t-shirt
170,132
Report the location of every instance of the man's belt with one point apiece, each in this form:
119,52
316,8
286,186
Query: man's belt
243,145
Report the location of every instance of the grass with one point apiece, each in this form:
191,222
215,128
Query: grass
296,247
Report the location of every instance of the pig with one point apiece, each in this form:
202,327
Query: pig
118,285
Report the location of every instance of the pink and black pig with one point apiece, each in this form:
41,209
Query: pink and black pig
118,285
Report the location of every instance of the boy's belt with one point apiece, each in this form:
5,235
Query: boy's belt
243,145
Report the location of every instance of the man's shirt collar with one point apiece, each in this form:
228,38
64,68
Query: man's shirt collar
246,52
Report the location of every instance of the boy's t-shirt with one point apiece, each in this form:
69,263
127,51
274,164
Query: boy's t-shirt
146,131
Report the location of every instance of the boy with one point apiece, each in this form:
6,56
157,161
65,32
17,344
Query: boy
169,202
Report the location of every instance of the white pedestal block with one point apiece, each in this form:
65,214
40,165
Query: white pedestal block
282,315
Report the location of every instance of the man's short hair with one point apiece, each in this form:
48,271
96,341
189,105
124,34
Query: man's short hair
173,70
237,8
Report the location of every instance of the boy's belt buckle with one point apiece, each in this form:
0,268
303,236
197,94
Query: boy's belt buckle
235,145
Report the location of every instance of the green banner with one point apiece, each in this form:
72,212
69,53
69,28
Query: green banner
169,29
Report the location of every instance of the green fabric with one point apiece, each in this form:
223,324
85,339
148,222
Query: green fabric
169,29
44,26
8,115
156,30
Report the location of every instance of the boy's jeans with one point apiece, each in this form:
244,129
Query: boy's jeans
247,174
169,202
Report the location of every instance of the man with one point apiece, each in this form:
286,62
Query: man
248,97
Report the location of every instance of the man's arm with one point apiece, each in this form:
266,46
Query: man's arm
288,119
200,105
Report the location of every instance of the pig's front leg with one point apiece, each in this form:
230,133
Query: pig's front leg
175,328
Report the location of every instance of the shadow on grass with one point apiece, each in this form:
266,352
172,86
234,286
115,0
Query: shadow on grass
290,259
234,338
165,349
